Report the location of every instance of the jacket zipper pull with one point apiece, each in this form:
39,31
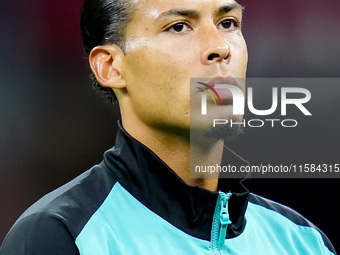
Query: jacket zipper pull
224,218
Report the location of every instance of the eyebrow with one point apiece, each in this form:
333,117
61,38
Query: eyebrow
229,7
178,12
193,13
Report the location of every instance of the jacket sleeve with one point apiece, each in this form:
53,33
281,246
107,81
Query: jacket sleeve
39,234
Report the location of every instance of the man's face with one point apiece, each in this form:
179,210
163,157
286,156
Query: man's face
169,42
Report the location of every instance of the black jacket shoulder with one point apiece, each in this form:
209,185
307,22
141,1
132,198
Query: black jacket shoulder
51,225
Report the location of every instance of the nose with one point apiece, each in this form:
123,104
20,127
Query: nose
215,48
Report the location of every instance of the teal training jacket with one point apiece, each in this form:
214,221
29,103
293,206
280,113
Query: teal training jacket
132,203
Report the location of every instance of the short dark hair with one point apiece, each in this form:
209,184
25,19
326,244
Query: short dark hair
104,22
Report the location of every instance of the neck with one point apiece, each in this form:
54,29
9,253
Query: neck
175,149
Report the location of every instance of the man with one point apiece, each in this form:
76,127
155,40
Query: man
141,199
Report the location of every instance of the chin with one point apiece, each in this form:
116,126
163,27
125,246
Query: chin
222,131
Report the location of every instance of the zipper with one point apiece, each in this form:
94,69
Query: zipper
220,222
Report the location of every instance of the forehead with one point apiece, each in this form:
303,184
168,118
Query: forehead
154,8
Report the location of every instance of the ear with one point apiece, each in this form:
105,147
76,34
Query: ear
106,64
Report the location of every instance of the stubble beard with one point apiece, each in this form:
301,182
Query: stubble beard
226,132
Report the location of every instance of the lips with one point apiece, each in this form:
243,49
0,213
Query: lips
224,94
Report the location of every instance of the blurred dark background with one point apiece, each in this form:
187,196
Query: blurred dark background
53,126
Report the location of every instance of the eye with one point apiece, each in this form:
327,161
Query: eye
178,27
229,24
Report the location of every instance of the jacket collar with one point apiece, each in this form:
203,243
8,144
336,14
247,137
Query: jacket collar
190,208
